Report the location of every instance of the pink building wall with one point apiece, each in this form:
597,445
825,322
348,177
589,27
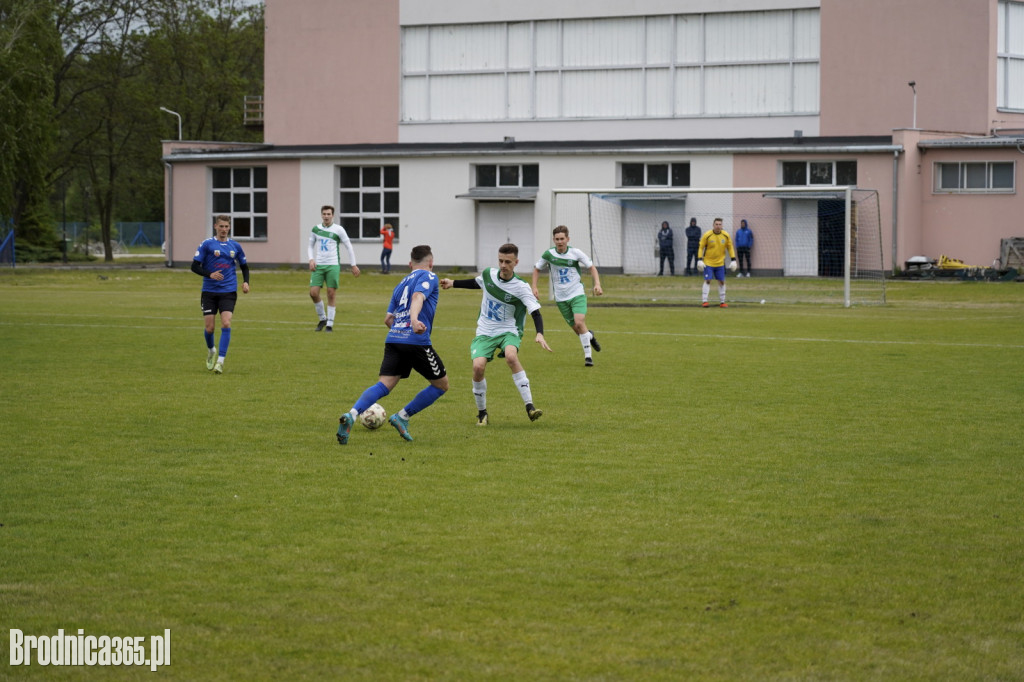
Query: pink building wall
869,53
874,171
188,212
332,72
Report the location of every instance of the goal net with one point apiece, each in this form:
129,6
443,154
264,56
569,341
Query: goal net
811,245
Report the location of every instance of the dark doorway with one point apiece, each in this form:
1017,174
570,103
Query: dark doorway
831,242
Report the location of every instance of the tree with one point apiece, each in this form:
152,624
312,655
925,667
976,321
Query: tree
29,52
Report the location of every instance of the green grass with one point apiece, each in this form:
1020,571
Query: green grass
764,492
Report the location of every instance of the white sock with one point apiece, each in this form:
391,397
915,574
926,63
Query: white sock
523,384
721,293
220,359
585,341
320,310
480,394
704,291
330,315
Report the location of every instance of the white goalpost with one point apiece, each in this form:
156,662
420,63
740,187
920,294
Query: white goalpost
811,244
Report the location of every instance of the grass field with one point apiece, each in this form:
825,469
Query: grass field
777,492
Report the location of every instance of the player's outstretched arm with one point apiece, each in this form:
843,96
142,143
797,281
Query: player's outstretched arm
598,291
538,322
533,283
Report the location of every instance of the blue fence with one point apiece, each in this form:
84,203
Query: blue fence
7,255
124,237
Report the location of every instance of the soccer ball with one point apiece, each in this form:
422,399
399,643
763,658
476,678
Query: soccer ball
373,417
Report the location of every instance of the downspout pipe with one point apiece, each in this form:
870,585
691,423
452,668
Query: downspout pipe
168,232
895,204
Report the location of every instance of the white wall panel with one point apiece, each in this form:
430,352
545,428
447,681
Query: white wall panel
659,92
659,40
414,49
806,88
1015,96
414,99
548,43
1015,17
689,94
603,42
520,96
806,34
603,93
724,64
548,94
689,44
464,48
751,36
740,90
520,46
474,98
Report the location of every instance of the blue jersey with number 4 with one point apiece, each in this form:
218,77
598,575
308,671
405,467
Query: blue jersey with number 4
426,283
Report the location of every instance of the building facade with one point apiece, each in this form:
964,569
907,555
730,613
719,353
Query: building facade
454,120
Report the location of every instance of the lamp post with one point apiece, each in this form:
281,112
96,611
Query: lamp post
913,86
174,113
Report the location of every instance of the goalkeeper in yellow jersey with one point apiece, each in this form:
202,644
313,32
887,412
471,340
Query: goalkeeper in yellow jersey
711,252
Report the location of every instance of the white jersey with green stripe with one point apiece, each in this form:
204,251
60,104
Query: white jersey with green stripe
325,245
565,271
504,305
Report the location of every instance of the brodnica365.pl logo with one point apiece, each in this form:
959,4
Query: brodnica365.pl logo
83,649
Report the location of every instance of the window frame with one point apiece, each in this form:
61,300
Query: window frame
832,169
377,195
670,171
244,200
964,177
521,169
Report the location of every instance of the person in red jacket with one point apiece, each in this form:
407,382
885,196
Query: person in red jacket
385,254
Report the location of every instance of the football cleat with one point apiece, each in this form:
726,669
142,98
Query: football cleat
723,305
320,325
705,304
588,362
329,328
401,425
533,413
481,418
345,427
211,359
593,343
218,368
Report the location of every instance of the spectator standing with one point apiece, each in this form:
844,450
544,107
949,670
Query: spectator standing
693,235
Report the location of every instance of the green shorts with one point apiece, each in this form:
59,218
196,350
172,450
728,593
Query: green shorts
485,346
571,308
325,274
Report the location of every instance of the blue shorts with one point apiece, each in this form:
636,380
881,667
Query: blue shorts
714,272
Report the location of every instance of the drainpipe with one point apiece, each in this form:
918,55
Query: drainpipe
170,213
895,203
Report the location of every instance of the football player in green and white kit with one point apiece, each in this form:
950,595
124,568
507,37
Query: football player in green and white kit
566,262
499,328
325,264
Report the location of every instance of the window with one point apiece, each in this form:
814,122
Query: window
655,175
367,199
242,194
826,173
994,177
1010,57
753,63
508,175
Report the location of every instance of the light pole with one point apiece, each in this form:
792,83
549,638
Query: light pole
174,113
